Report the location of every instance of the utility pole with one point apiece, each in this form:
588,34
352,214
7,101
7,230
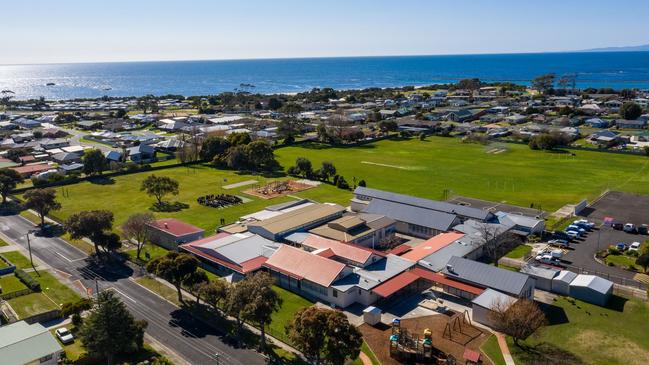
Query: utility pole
29,247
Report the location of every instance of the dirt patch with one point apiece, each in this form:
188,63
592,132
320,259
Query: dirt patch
277,189
471,337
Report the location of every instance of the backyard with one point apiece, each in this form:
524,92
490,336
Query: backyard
518,175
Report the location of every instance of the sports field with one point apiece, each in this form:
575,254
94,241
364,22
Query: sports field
501,172
123,197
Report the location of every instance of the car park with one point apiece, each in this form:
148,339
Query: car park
64,335
617,226
559,243
560,235
634,246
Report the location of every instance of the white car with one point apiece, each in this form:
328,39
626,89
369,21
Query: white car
64,335
548,259
634,246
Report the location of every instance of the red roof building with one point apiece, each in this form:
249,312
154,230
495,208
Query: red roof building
170,232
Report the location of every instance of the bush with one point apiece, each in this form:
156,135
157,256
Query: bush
77,321
28,280
342,183
362,183
72,308
613,251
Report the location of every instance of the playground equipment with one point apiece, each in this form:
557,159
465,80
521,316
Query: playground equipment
410,348
455,324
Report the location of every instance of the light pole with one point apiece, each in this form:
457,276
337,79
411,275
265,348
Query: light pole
216,357
29,247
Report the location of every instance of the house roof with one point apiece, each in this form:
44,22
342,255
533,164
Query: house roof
241,252
491,299
346,251
488,276
303,265
175,227
412,214
439,206
443,280
432,245
395,284
592,282
298,217
27,169
23,343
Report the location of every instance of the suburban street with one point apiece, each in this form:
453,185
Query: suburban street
175,329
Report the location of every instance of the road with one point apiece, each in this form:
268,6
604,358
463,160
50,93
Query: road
174,328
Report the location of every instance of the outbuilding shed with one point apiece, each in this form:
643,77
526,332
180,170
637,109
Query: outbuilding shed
543,276
591,289
489,302
561,283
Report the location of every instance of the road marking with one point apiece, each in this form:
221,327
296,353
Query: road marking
122,293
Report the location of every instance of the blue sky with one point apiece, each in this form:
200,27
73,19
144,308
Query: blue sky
44,31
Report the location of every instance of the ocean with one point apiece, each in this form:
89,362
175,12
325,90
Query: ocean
89,80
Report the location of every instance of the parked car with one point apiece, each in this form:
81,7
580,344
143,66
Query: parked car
559,243
577,229
557,254
617,225
642,229
64,335
584,224
572,234
548,259
634,246
629,228
560,235
621,246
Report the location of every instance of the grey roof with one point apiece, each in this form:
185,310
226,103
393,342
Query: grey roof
592,282
424,203
374,274
238,248
438,260
22,343
488,276
290,204
565,276
412,214
490,298
540,271
297,237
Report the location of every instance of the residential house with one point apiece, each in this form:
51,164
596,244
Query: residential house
605,138
597,123
170,232
630,124
141,153
22,343
26,123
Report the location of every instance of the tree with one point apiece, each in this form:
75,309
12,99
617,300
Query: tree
327,170
94,162
362,183
147,102
214,292
213,147
136,228
43,201
159,186
303,166
643,260
95,225
5,98
235,303
291,109
260,156
9,179
319,333
388,126
544,83
238,139
288,128
274,104
237,157
110,329
176,268
518,320
630,111
492,238
262,302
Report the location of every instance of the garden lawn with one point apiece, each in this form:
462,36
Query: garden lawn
123,197
159,288
54,289
623,261
492,350
517,176
31,304
153,250
17,259
10,283
591,335
519,252
291,303
3,243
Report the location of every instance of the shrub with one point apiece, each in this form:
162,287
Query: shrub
72,308
362,183
613,251
28,280
77,321
342,183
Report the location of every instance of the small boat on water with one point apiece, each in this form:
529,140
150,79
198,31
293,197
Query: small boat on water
50,84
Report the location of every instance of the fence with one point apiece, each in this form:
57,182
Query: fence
44,317
630,283
14,294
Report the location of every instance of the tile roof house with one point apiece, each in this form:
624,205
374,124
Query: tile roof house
292,265
170,232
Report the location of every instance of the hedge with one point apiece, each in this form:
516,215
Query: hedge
28,280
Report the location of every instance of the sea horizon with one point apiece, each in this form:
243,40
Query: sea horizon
619,69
